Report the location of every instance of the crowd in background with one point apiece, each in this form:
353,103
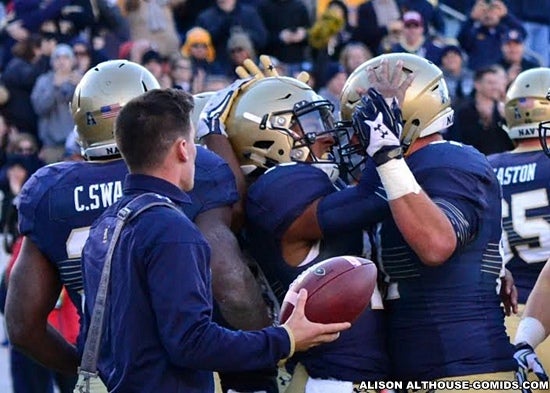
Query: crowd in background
46,46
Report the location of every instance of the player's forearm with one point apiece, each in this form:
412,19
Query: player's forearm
537,304
243,308
238,295
424,227
236,291
47,347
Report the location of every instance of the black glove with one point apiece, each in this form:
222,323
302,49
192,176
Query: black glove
379,127
528,361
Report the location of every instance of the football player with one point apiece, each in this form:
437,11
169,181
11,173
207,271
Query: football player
439,248
283,134
60,202
523,174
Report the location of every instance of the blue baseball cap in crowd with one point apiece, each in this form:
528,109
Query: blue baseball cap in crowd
514,35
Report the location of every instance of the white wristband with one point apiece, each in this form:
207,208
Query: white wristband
397,179
531,331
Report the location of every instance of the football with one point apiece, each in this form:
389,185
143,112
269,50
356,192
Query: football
338,288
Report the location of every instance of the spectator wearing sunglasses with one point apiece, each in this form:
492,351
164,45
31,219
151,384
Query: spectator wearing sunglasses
86,56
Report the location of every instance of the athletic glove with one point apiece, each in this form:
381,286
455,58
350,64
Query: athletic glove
250,69
528,361
379,127
213,116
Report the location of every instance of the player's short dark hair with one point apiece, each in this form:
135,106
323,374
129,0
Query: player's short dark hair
148,125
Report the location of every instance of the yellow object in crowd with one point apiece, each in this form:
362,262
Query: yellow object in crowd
325,27
322,5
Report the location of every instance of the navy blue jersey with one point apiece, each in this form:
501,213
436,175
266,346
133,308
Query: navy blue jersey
452,311
274,201
60,201
524,178
158,333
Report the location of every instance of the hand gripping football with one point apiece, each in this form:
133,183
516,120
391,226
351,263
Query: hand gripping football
339,289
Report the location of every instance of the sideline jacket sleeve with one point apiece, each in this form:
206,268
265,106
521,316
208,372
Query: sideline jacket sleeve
182,304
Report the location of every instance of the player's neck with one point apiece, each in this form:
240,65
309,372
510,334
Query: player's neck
419,143
527,145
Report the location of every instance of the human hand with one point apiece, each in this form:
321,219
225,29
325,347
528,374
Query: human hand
198,81
98,42
286,36
309,334
16,177
249,69
509,293
500,8
379,127
390,86
513,72
66,27
479,9
299,35
16,30
528,361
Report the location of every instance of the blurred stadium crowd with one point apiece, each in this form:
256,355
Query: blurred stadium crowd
46,46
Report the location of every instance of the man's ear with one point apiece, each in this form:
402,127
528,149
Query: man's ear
182,149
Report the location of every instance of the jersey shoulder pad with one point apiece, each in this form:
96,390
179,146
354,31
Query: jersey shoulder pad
281,194
214,184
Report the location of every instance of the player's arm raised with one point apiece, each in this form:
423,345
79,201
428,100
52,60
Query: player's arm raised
425,227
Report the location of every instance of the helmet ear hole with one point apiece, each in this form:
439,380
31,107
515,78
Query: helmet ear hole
263,144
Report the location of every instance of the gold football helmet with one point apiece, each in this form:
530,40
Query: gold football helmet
98,98
426,108
276,120
526,104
